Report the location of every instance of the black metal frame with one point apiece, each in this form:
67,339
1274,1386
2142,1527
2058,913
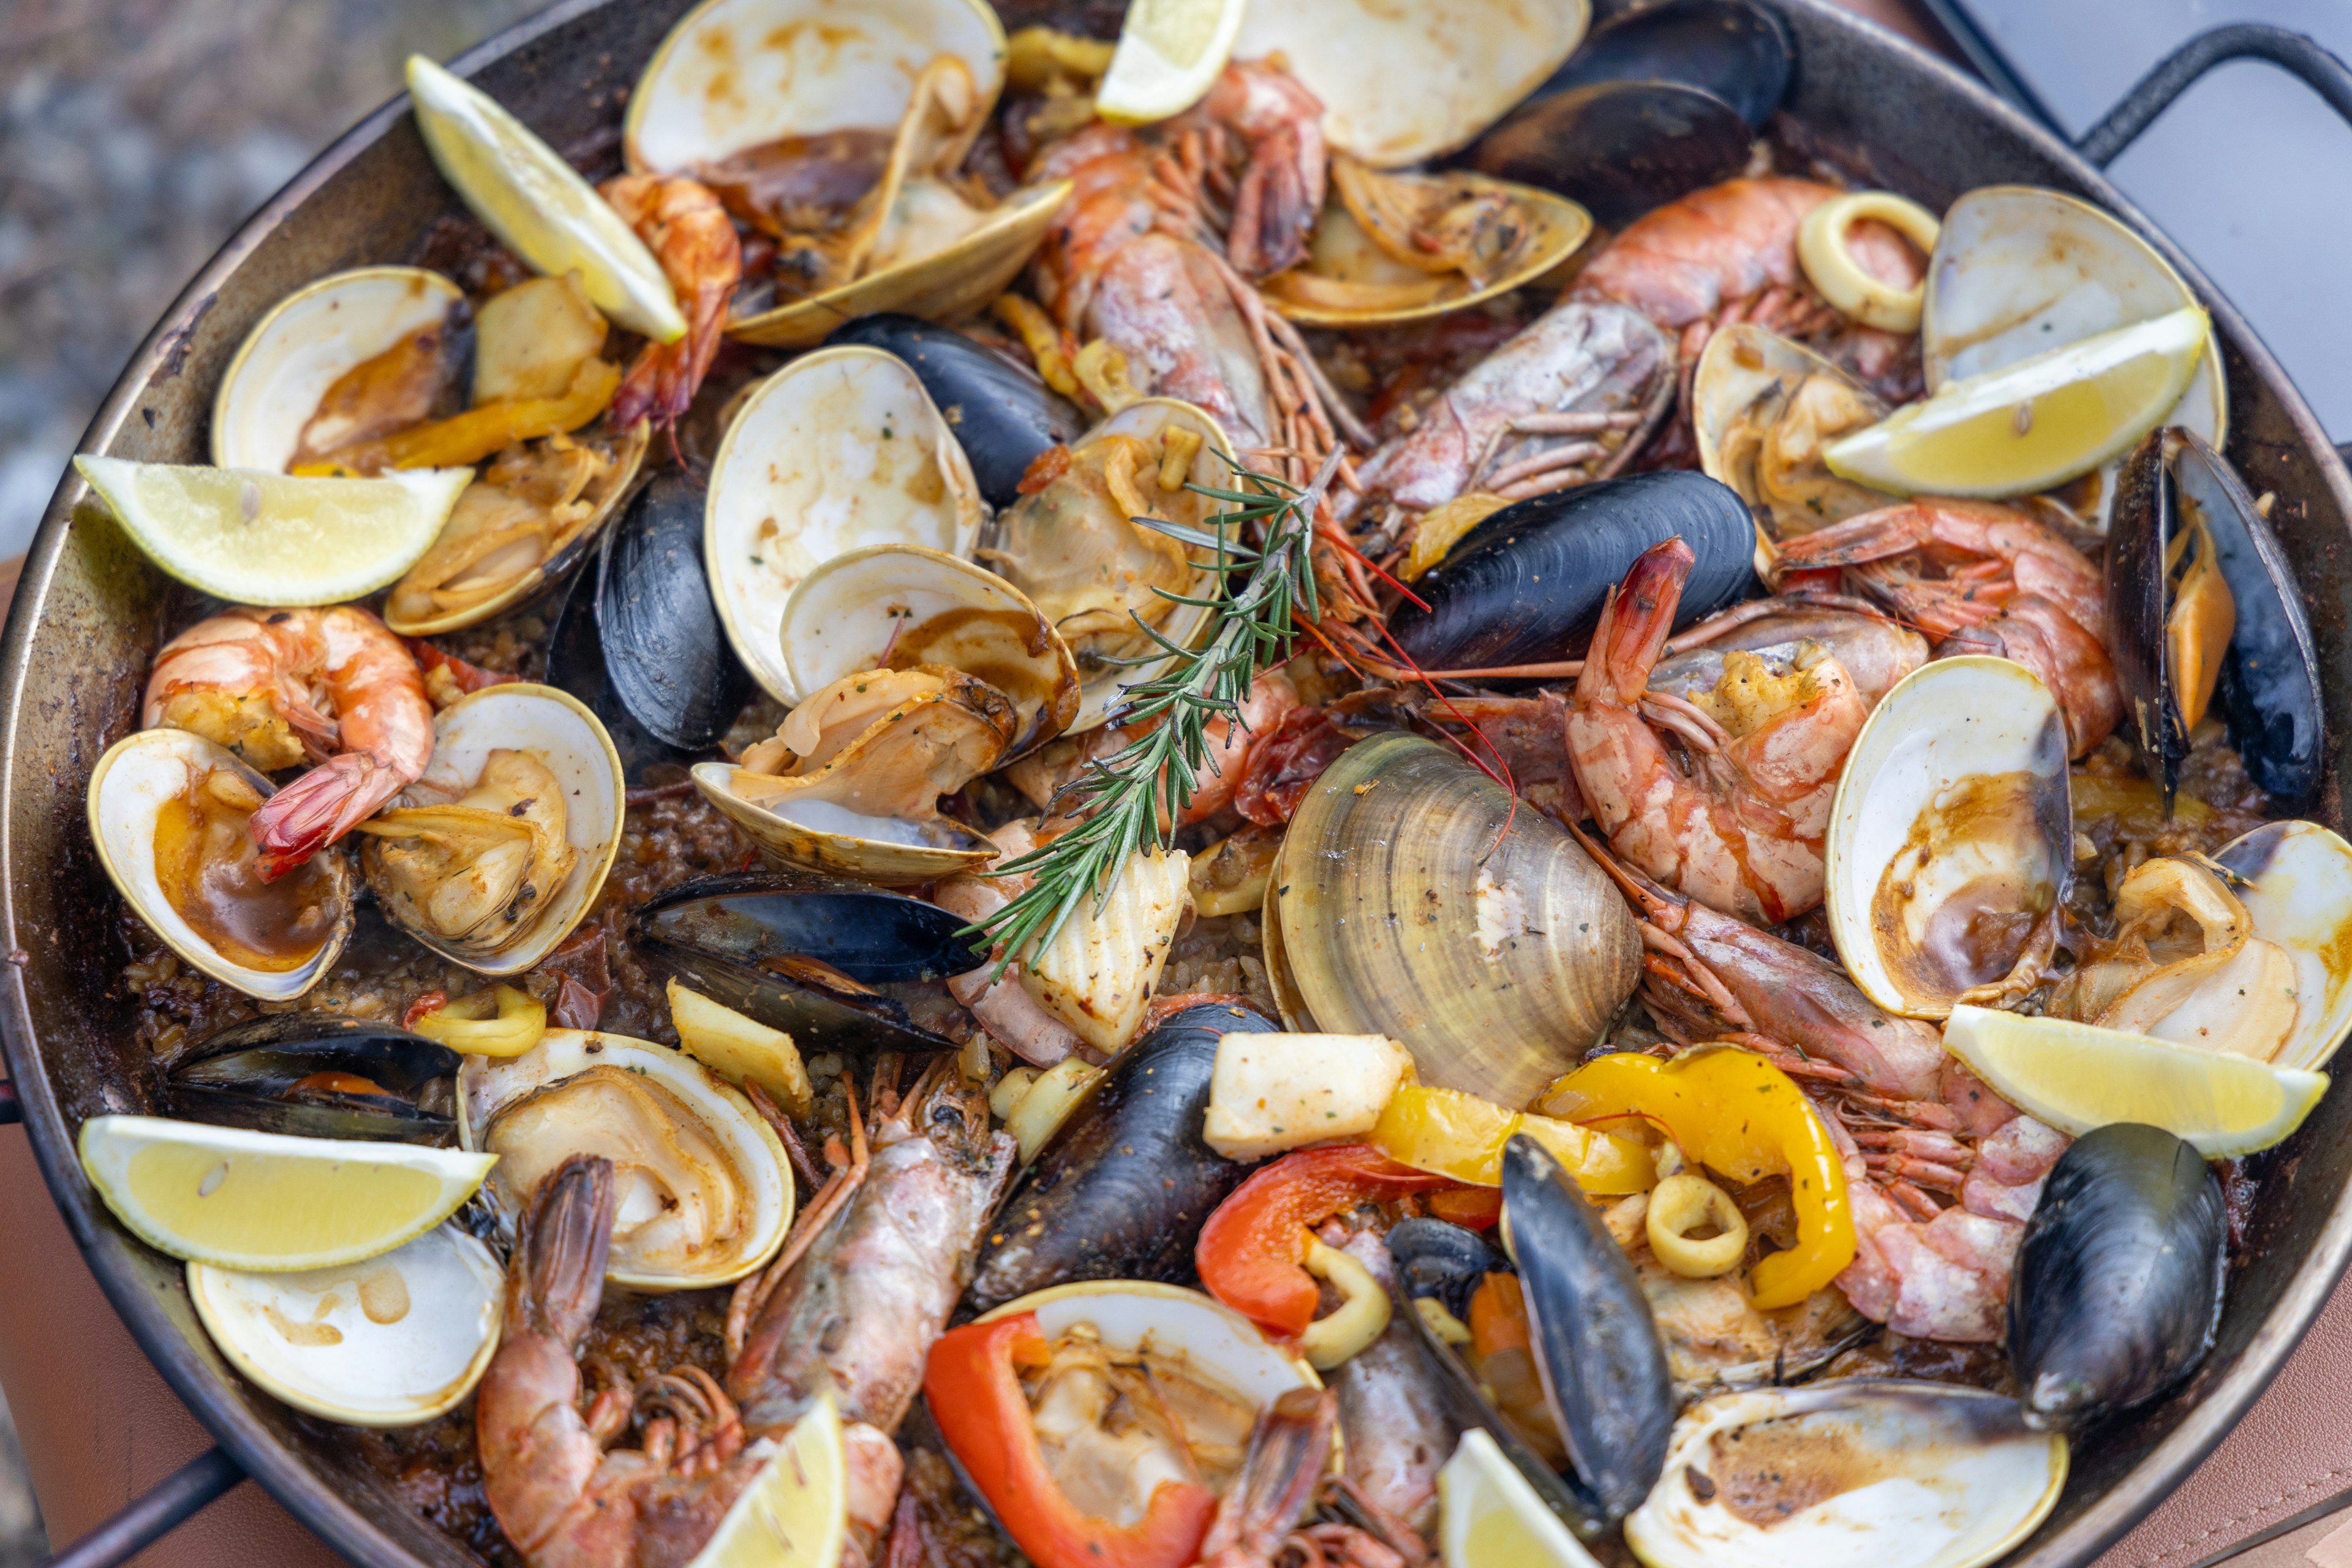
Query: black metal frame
194,1485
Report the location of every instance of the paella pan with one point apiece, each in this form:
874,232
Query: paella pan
803,822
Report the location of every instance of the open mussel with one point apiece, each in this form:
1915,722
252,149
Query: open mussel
319,1075
1120,1192
2117,1289
808,954
2200,595
1411,900
1003,416
1658,102
1898,1475
1526,583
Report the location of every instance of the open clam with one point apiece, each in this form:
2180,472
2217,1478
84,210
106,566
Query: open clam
704,1195
1952,838
851,782
1074,550
393,1340
895,606
840,450
319,1075
1763,409
1900,1475
1003,413
1401,906
840,132
493,856
168,812
2018,270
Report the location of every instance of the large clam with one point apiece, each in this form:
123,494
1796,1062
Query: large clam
502,848
840,450
1411,900
1003,414
169,812
1763,409
704,1195
840,132
1951,839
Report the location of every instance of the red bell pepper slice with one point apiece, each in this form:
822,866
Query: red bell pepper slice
1252,1252
972,1384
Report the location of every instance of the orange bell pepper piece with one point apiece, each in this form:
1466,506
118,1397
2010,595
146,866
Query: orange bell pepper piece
1252,1253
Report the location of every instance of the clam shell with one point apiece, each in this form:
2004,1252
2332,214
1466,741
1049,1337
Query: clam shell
1407,909
1949,722
395,1341
1927,1474
811,469
304,345
1212,1336
1747,375
1555,229
892,606
557,728
2019,269
489,1086
132,780
2297,888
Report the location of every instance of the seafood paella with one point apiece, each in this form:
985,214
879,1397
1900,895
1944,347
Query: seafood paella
1281,785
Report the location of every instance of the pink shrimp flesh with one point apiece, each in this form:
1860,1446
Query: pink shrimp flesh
682,223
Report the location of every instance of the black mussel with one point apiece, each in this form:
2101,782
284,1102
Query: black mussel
1603,1366
1003,415
1527,584
826,960
1121,1190
2117,1287
1441,1261
319,1075
1733,49
575,663
2200,601
666,660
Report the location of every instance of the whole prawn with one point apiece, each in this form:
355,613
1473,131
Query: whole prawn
1986,579
681,221
278,686
1742,829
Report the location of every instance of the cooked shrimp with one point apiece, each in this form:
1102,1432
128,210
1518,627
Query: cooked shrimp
1012,1017
1742,829
563,1500
1873,651
681,222
278,686
2071,661
1280,195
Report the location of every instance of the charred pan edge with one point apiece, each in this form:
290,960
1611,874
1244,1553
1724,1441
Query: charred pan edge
1963,120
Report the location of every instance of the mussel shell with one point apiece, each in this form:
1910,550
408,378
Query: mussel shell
665,658
2145,515
1439,1259
1121,1190
575,663
1003,415
1603,1366
2116,1292
1527,583
1739,52
243,1077
1620,148
734,936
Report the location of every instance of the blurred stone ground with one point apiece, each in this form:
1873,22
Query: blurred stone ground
134,136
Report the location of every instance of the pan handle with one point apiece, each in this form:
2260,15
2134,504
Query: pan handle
10,1110
175,1499
2292,52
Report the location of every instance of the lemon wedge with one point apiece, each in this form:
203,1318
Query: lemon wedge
257,538
537,205
2035,423
2076,1076
796,1512
1169,51
268,1203
1493,1518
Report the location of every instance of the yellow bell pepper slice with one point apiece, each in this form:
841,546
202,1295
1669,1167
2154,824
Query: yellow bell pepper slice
1460,1135
479,433
1734,1112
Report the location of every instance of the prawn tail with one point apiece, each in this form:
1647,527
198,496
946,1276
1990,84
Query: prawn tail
557,1276
316,809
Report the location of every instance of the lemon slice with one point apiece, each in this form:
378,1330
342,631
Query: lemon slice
2076,1076
1169,51
257,538
268,1203
1493,1518
2035,423
796,1512
537,205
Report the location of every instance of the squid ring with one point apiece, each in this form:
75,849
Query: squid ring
1821,247
1359,1319
1680,1204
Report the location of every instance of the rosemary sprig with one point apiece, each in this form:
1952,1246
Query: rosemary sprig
1138,794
